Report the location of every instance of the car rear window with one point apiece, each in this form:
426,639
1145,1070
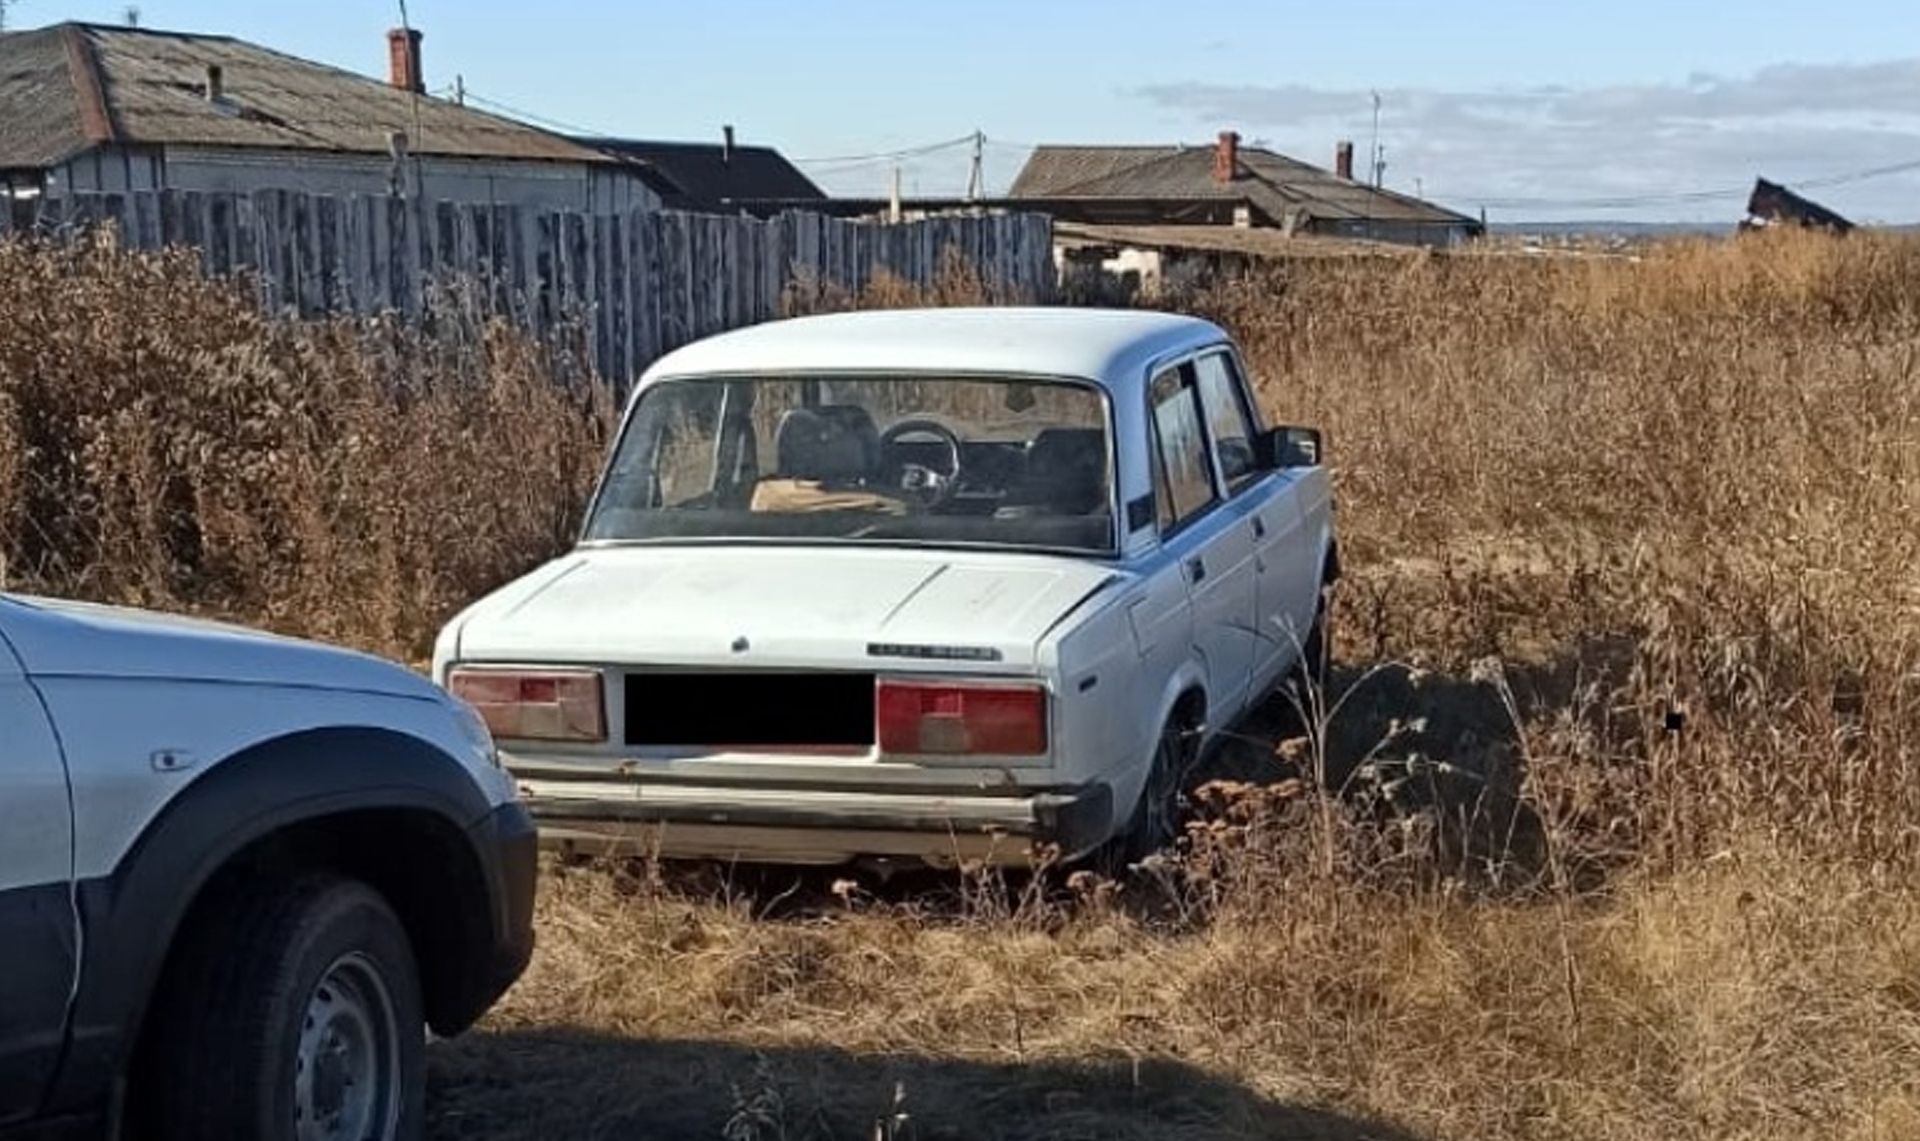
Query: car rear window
971,461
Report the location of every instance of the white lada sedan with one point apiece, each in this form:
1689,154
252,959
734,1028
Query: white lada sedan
930,585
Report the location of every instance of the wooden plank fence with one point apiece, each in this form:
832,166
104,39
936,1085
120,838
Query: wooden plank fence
638,284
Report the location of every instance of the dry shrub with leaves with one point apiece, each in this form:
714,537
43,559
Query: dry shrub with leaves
167,445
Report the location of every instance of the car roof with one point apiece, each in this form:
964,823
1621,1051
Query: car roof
1102,345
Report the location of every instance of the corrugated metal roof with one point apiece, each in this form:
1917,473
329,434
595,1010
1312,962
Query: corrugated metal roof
706,175
1271,182
152,90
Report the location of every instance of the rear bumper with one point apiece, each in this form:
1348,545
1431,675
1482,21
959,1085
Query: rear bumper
818,826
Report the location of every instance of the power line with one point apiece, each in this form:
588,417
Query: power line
830,165
1863,175
1634,201
886,156
529,116
1619,202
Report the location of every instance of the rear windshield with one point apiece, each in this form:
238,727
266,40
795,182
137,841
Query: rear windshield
968,461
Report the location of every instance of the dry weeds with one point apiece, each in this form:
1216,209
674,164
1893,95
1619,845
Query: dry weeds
1627,744
166,445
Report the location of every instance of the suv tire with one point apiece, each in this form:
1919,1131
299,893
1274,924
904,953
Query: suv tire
292,1013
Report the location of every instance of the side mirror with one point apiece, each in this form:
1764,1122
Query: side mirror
1291,446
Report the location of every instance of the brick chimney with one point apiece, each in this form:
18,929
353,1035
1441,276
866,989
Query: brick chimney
1226,157
403,60
1343,159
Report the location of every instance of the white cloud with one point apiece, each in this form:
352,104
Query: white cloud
1789,122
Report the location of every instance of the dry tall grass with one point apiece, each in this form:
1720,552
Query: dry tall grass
1630,730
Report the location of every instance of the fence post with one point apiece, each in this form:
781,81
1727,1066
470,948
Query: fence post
649,283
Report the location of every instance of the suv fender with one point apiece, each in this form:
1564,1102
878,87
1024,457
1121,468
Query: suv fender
247,801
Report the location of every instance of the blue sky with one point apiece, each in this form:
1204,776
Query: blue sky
1534,108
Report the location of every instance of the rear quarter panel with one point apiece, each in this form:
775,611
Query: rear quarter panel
1139,655
1093,661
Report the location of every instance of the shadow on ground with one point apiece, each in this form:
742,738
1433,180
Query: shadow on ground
524,1085
1397,742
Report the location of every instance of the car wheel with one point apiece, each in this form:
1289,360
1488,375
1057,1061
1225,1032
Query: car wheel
1156,822
1314,649
294,1014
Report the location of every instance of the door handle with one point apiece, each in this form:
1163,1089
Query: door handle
1259,527
1196,570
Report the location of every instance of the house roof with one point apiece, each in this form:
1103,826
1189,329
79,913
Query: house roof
1240,241
40,109
70,86
1774,202
712,174
1271,182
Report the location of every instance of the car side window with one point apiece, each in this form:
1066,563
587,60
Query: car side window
1229,420
1183,479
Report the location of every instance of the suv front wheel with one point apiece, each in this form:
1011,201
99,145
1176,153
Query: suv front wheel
293,1012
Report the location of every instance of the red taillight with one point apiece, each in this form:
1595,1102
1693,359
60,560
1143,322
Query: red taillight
534,705
917,718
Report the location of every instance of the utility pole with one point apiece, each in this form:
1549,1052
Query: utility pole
974,175
460,90
1376,163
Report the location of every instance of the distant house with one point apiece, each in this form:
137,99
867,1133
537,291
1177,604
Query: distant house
713,178
86,107
1773,204
1228,184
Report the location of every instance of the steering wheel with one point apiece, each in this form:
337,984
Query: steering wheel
926,487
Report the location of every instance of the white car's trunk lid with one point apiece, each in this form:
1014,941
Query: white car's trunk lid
779,608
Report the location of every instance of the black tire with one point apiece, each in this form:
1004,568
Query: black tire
1156,822
291,1002
1304,686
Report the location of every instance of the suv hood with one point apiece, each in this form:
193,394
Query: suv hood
773,606
65,638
